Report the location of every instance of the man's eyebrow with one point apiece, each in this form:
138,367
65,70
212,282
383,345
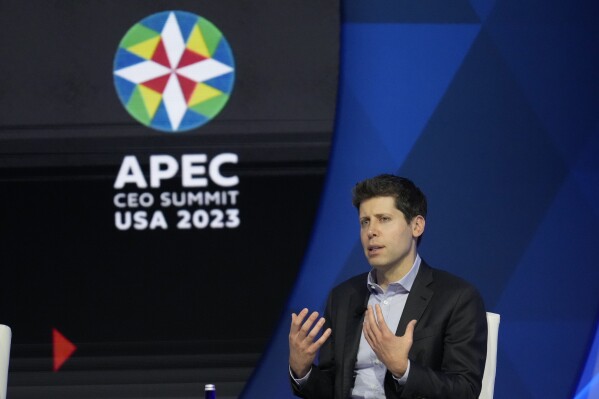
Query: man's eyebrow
377,215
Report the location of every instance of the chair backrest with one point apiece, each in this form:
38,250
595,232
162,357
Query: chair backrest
489,376
5,337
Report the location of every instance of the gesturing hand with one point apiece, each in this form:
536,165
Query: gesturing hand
390,349
302,343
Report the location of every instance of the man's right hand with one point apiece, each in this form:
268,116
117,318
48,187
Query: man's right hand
302,344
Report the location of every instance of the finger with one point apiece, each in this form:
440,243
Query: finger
410,329
296,320
316,329
366,329
381,319
370,327
308,323
301,315
373,325
320,341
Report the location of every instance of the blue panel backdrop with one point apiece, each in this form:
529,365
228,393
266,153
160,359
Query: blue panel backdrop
491,107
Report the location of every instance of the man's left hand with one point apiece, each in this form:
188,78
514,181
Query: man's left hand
389,348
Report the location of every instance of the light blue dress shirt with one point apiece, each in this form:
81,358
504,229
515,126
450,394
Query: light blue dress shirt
370,371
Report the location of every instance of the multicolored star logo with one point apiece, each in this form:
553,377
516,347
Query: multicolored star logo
174,71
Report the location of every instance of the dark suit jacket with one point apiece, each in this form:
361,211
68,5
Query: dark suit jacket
448,354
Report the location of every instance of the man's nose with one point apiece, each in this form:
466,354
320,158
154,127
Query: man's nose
372,232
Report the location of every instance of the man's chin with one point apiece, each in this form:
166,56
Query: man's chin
378,265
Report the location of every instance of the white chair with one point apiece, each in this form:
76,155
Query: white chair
5,336
489,376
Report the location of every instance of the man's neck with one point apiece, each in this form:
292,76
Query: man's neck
395,273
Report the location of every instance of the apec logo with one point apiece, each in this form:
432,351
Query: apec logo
174,71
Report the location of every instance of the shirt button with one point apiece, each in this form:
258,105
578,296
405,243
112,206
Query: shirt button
386,302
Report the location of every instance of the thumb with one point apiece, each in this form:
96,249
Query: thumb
410,329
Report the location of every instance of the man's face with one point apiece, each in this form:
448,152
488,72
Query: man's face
389,242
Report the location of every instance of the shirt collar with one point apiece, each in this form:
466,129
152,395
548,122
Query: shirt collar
406,281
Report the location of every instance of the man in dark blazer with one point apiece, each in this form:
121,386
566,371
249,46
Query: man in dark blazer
404,330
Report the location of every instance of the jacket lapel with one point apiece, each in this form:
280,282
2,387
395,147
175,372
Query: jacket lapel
418,299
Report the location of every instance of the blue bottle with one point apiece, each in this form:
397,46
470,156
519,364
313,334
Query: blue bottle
209,391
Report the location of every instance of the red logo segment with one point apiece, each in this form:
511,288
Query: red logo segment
62,349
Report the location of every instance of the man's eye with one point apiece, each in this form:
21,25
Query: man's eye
385,218
364,222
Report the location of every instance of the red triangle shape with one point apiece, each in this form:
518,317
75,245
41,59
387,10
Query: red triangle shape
189,57
62,348
160,55
157,84
187,86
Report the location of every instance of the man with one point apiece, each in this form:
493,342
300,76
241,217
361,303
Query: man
403,330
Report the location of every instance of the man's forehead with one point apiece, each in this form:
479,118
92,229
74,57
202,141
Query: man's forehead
378,205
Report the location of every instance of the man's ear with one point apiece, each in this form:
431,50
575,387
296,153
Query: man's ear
418,223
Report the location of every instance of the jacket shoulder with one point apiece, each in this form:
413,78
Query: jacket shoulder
353,284
448,282
442,279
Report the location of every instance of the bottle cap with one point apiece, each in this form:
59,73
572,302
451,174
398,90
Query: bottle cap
209,387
